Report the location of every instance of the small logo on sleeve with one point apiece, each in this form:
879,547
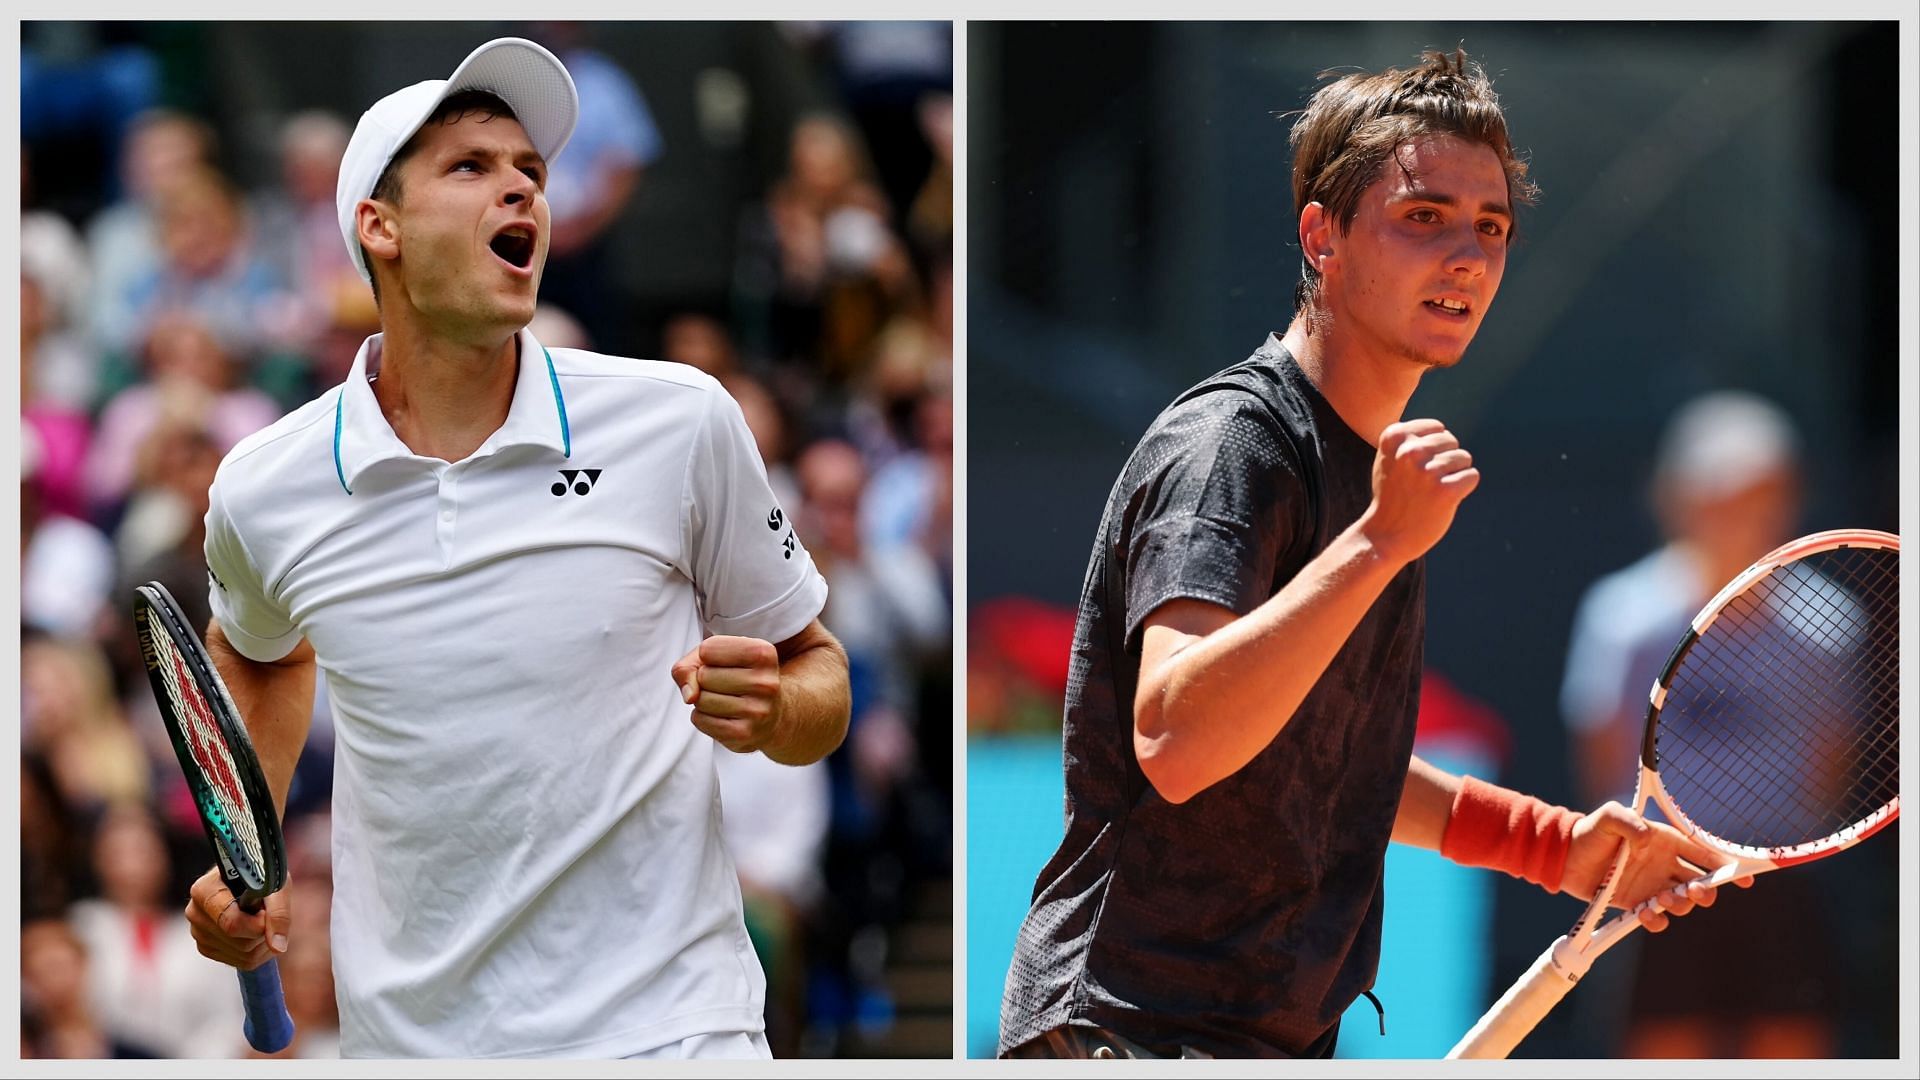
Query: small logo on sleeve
775,519
578,481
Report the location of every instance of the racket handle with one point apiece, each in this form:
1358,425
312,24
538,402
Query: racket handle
1525,1003
269,1028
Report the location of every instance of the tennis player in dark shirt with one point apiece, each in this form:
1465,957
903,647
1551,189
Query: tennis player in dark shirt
1246,665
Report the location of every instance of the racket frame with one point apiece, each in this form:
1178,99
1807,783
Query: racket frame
268,1027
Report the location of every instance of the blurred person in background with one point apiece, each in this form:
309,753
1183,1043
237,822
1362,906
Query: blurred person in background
123,240
54,259
885,70
930,215
593,183
51,851
57,420
192,381
910,499
1726,490
56,1015
163,533
332,309
890,610
148,984
66,565
699,341
886,603
70,717
209,266
835,266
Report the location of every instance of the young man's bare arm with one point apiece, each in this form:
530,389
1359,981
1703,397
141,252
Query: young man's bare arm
275,700
1215,689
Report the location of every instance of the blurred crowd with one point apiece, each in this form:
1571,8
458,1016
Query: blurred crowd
167,311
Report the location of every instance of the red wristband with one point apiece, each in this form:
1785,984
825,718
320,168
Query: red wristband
1504,830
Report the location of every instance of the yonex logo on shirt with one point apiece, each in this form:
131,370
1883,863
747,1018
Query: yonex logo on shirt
775,519
580,481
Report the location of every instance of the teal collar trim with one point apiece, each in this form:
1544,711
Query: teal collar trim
560,403
339,470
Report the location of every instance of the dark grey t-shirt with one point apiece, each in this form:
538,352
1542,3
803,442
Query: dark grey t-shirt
1244,921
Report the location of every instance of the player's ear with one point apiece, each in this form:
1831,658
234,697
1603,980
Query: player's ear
379,232
1316,236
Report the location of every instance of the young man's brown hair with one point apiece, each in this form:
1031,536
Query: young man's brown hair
1353,125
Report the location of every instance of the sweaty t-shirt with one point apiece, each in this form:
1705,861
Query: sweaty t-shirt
1244,921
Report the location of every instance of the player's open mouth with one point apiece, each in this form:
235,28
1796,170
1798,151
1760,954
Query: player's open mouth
514,246
1450,307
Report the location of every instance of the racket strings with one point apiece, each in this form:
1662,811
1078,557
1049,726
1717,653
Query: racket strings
1781,724
231,812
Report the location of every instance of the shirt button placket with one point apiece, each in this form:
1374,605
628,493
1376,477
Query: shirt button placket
449,490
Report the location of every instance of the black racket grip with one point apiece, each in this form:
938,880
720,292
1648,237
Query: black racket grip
269,1028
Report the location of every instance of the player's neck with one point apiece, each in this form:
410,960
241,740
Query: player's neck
442,397
1366,387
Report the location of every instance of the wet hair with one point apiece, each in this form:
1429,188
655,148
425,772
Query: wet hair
1355,124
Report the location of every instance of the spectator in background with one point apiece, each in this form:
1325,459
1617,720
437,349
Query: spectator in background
891,612
68,716
149,985
162,536
56,1020
835,268
593,182
884,70
1726,490
54,259
66,565
930,216
123,240
910,500
58,421
300,231
699,341
192,384
50,847
209,266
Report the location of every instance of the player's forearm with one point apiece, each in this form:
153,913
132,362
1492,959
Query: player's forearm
1426,802
1209,708
815,700
276,702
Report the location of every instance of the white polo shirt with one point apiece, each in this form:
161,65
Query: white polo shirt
527,852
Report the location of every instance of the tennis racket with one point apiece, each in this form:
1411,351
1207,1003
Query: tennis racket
1773,737
229,789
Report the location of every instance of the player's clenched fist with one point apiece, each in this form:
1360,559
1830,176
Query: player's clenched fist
233,936
1419,477
733,684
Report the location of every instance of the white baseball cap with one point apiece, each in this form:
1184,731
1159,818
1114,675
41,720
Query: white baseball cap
531,80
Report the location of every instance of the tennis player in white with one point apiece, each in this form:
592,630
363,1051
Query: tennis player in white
542,585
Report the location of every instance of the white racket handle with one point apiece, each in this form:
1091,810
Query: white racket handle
1525,1003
